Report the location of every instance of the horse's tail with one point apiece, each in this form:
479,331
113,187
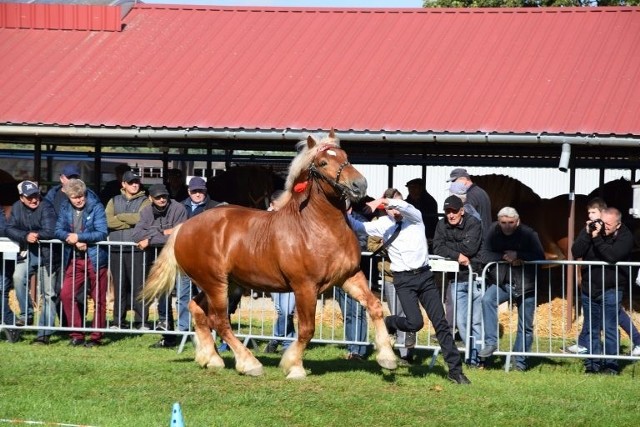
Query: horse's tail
162,276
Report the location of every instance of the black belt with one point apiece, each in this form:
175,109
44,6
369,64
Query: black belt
416,271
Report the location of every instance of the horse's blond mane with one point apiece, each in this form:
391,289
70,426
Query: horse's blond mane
301,162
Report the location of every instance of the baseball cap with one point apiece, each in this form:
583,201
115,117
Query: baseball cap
458,173
457,189
129,176
453,203
28,188
197,183
158,190
70,171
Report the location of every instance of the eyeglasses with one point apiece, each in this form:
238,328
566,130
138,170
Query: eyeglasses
160,197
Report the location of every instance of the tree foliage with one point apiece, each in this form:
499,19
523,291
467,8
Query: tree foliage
527,3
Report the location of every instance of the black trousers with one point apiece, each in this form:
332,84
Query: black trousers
412,288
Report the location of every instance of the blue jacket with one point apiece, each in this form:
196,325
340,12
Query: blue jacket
94,229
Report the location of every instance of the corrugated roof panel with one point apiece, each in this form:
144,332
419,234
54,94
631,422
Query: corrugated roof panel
572,70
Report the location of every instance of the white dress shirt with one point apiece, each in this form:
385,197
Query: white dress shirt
409,250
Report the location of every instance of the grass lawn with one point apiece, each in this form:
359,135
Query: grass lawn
124,383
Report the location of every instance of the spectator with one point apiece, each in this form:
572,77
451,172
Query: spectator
285,305
509,240
156,224
112,188
56,195
176,184
610,241
197,202
81,224
460,190
374,244
476,196
354,315
6,268
459,237
127,262
32,220
403,232
594,211
425,203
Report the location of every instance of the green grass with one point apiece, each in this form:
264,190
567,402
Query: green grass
124,383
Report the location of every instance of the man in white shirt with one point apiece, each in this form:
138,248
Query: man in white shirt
412,277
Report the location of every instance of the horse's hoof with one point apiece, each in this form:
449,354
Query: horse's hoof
390,364
297,373
254,372
215,364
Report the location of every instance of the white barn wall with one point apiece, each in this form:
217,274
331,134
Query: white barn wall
547,183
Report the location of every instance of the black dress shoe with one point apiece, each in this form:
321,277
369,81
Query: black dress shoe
409,339
43,340
458,378
75,342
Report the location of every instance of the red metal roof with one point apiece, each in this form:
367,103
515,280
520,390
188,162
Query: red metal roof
560,70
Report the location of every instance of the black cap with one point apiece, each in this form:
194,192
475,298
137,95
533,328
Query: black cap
129,176
158,190
416,181
453,203
458,173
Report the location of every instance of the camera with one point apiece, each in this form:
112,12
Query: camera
592,225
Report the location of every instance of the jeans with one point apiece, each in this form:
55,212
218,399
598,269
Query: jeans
600,312
355,322
624,321
461,292
21,284
285,304
493,297
414,287
185,291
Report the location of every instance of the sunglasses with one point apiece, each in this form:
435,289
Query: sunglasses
160,197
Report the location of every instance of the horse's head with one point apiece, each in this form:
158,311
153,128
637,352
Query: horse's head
326,164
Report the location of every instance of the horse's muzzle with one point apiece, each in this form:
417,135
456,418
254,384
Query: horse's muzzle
357,189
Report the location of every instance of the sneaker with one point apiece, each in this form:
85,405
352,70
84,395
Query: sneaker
458,378
487,351
20,321
43,340
577,349
636,351
76,342
409,339
114,326
162,326
163,343
271,347
354,356
13,335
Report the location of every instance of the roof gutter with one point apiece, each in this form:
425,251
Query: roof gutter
299,134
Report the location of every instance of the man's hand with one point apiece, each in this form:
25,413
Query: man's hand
463,260
72,238
32,237
143,244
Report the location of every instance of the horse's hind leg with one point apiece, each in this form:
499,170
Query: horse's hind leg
358,288
206,354
246,363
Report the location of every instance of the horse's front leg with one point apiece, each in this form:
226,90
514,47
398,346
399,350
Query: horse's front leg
291,362
358,287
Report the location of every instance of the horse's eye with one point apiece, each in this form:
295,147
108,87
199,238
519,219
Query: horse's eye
323,163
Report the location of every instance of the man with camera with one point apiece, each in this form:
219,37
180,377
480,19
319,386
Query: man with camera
604,238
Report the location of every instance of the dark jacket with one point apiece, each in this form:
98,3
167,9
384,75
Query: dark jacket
153,223
428,207
93,230
526,243
206,204
464,238
479,199
41,219
613,248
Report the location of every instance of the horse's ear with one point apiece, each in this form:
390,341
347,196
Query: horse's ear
311,142
332,133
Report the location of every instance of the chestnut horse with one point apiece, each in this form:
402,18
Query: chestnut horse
306,246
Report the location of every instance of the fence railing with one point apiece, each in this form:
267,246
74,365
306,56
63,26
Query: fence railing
254,316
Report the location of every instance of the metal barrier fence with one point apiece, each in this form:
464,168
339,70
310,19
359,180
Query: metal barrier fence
254,316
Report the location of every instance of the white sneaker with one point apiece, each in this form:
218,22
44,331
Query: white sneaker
636,351
577,349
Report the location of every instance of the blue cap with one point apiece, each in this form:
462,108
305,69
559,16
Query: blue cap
71,171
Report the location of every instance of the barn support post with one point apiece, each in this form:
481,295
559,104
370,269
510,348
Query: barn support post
570,238
37,160
97,166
